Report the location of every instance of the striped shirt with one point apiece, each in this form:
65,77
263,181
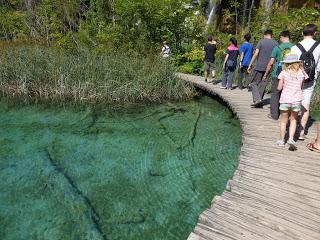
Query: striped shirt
292,86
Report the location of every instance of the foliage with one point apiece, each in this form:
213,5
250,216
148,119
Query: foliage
190,62
294,21
44,74
139,25
316,101
137,28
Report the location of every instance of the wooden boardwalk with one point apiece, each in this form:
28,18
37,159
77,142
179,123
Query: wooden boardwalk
274,194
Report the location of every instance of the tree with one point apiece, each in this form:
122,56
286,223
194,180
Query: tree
236,5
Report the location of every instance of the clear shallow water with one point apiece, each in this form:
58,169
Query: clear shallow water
140,173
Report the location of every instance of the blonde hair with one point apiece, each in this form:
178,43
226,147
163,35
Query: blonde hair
295,67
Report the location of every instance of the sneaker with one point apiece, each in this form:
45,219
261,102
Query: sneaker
257,104
281,143
222,87
292,145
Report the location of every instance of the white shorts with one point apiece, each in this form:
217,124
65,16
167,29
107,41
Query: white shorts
307,94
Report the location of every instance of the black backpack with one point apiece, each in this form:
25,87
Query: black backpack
308,60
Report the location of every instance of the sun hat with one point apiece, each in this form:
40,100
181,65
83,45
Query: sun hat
291,58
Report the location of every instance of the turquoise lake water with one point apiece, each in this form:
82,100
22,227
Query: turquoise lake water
145,172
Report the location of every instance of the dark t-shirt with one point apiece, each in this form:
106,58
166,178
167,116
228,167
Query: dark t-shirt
233,52
265,47
210,50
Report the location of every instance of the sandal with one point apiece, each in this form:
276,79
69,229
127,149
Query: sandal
301,138
312,147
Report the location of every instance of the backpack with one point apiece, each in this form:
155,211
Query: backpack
231,63
284,52
308,60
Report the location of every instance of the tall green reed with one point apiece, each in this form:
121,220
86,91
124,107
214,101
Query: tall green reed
40,74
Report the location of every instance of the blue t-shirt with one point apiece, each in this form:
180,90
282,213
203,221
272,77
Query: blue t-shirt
247,50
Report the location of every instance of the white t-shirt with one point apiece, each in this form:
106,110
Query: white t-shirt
307,44
166,52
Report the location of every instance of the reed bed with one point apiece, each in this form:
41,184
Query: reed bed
39,74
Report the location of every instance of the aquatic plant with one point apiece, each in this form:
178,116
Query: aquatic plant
40,74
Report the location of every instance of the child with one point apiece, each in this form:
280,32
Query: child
230,64
165,51
290,82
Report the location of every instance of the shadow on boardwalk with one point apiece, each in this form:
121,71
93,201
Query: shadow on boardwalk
274,194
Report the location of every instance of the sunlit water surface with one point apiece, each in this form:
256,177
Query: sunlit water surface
138,173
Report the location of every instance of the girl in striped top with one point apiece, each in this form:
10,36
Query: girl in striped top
290,83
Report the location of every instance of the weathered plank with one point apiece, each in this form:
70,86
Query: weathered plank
274,194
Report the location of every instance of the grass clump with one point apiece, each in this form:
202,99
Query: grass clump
40,74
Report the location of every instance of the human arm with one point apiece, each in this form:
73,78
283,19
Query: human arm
254,57
280,85
281,81
241,58
225,60
269,67
318,66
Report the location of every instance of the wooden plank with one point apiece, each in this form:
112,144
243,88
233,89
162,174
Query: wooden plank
274,194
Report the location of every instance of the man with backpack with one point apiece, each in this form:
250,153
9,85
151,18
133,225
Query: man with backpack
309,52
277,56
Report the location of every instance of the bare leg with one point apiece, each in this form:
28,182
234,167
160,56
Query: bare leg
304,119
213,74
293,124
206,75
283,124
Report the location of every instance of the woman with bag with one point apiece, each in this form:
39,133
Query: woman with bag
230,64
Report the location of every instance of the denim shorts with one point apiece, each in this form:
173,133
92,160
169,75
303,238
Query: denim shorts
289,106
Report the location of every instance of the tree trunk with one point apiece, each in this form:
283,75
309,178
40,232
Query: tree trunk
250,13
244,14
113,13
284,5
236,11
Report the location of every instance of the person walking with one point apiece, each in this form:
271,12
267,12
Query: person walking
308,51
290,82
165,51
230,64
263,55
209,52
246,52
277,57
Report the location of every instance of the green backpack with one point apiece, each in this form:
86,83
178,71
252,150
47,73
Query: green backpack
284,52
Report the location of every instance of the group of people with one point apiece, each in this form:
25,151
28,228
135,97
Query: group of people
294,70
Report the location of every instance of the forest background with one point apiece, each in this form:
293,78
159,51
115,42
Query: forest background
136,28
